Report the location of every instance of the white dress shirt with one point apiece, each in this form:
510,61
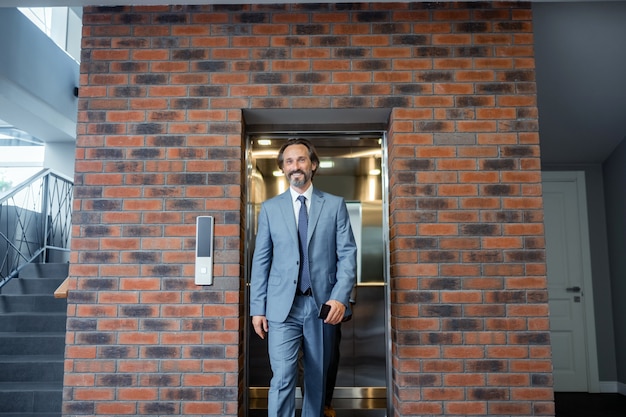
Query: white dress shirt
296,204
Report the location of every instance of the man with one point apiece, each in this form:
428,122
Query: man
305,257
333,367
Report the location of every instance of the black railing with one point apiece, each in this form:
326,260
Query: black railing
35,223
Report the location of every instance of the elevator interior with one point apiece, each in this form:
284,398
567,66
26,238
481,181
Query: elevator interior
352,166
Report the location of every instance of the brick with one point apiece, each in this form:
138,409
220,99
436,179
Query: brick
480,203
443,394
507,352
448,365
117,324
480,229
466,407
180,338
482,256
542,352
508,380
528,310
201,408
531,366
545,408
137,394
462,324
81,352
486,338
105,297
118,270
484,310
420,408
539,324
458,216
502,242
459,243
528,393
463,380
142,338
437,229
503,270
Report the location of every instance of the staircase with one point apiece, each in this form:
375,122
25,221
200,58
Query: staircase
32,342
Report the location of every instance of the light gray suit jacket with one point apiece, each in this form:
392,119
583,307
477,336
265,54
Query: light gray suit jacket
332,255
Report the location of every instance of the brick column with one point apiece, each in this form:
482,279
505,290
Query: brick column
160,142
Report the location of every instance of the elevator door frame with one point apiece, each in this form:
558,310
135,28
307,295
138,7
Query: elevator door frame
366,395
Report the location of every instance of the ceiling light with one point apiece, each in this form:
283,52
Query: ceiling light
327,164
265,154
377,153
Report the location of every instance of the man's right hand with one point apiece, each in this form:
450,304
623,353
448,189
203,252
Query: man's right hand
260,325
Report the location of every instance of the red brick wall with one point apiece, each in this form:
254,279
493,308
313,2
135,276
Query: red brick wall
160,142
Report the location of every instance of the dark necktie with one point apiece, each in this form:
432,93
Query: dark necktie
303,224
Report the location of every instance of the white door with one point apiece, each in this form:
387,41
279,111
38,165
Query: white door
569,282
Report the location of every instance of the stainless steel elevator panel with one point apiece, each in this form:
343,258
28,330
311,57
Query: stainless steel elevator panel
363,355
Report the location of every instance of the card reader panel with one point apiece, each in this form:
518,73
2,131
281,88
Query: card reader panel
204,250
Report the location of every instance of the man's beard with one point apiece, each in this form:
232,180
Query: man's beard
306,176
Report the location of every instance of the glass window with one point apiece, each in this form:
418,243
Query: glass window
62,24
21,156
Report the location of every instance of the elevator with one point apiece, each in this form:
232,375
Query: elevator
352,165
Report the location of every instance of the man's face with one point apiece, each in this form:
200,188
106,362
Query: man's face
297,165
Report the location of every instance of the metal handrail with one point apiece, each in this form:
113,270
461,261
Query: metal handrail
35,222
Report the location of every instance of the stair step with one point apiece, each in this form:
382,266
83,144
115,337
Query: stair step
40,286
14,303
32,414
28,386
30,399
31,343
32,358
32,369
33,322
49,270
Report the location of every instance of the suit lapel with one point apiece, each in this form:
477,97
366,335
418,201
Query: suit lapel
286,211
317,204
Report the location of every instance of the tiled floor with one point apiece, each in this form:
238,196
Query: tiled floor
571,404
582,404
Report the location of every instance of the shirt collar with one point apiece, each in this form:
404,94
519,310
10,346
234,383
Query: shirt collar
308,193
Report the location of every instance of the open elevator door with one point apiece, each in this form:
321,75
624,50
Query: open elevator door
352,165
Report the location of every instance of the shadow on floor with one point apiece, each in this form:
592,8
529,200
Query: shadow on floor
582,404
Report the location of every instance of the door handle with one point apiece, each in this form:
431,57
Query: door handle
573,289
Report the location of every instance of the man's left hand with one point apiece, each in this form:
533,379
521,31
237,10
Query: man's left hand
337,310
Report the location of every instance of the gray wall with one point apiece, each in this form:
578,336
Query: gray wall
615,191
601,273
61,157
37,81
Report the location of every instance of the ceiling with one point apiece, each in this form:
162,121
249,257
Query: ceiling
580,50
